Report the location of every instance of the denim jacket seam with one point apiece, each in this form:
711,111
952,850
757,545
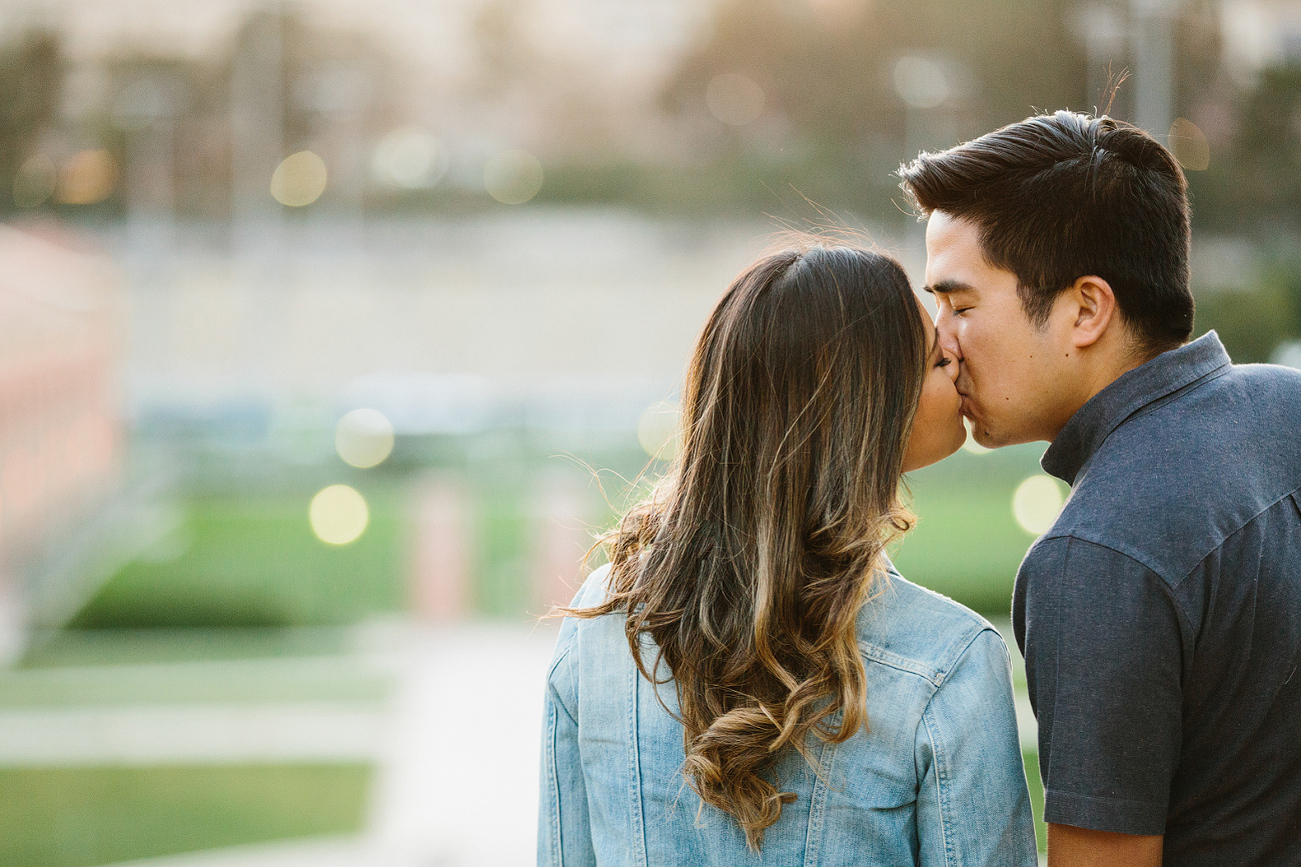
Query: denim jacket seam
562,655
901,663
557,850
635,816
934,675
941,774
817,806
940,758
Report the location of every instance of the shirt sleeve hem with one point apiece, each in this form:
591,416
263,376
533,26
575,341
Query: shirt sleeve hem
1104,814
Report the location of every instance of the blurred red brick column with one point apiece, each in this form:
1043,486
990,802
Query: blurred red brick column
440,573
60,429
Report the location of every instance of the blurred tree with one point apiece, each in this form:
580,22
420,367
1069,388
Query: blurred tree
31,78
831,76
1267,180
332,91
1253,322
507,54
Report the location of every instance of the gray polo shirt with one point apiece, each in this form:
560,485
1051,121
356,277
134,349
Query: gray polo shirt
1160,617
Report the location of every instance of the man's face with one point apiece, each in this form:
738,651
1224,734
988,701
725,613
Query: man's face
1012,376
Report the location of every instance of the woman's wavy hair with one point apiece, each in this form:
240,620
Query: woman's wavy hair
748,564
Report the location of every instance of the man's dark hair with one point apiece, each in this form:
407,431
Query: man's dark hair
1060,196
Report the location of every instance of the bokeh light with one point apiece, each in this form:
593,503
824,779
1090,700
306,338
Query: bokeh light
35,182
970,444
512,177
1037,502
299,180
339,514
734,99
1189,145
364,438
659,430
88,178
409,158
921,82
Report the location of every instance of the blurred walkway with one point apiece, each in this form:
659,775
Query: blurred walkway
273,709
458,761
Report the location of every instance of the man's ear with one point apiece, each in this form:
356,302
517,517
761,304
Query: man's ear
1094,308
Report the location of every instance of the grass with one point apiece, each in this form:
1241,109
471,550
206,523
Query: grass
254,562
1031,760
107,647
251,560
502,584
77,817
966,543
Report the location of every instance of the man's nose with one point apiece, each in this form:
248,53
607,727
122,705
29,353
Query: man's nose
948,339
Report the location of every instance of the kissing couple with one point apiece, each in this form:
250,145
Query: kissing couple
749,681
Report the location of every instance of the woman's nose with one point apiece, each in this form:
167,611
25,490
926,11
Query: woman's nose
948,340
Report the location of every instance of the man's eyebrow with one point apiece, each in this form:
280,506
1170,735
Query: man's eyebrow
944,287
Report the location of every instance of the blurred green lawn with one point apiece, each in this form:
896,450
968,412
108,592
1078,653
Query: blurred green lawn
1036,786
253,561
967,544
78,817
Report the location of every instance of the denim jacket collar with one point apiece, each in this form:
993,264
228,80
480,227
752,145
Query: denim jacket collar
1169,372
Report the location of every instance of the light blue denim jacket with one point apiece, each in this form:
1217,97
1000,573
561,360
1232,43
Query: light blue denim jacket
935,779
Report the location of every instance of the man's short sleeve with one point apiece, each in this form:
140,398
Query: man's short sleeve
1102,642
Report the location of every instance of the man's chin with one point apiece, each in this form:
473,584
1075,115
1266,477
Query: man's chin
980,432
992,438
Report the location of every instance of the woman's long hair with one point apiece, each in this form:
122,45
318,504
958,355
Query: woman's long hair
749,563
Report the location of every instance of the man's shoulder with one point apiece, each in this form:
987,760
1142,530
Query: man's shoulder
1171,483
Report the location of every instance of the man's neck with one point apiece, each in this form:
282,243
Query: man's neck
1111,361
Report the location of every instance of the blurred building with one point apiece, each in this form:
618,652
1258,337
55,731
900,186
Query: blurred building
60,455
209,92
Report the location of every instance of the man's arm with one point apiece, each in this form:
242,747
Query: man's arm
1069,846
1103,643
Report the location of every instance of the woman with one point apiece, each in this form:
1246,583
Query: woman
749,681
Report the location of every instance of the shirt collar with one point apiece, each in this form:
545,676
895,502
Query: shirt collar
1132,390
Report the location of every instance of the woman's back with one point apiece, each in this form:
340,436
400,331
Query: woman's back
934,778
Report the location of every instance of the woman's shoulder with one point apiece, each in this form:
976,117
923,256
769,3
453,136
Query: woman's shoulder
582,637
594,588
912,628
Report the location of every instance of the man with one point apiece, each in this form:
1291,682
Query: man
1160,617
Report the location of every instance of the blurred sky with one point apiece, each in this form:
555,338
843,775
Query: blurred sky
433,35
